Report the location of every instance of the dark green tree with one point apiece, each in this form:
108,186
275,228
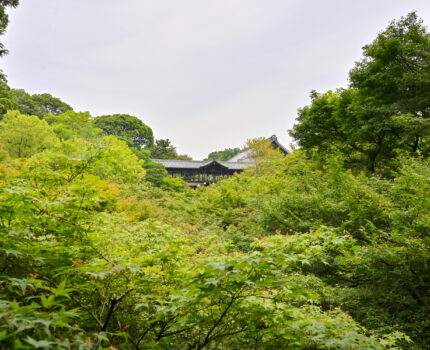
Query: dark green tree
128,128
6,99
163,149
39,104
338,122
155,172
394,80
4,20
223,155
386,108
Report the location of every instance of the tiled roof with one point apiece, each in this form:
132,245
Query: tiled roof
182,164
243,156
274,139
236,165
197,164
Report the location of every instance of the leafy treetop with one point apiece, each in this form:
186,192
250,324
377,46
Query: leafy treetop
39,104
128,128
386,108
223,155
24,135
163,149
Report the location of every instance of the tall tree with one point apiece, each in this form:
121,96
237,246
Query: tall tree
155,172
128,128
24,135
338,122
6,98
394,80
39,104
72,124
387,106
163,149
4,20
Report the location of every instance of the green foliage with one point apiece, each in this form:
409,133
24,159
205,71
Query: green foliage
72,124
174,184
39,104
394,73
24,135
6,97
7,101
99,249
127,128
387,107
4,20
223,155
82,275
163,149
119,164
393,80
155,172
372,230
108,158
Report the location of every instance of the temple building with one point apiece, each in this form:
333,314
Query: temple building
200,172
203,173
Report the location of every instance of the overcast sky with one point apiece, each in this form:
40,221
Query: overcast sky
205,74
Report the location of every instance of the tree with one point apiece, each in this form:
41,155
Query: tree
39,104
128,128
6,99
387,107
4,20
223,155
119,164
72,124
109,158
155,172
25,135
163,149
393,78
338,122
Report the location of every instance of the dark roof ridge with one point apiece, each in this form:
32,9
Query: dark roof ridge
182,160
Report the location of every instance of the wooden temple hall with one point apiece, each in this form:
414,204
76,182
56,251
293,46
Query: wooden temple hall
203,173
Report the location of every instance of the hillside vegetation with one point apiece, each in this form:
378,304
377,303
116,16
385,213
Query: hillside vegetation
325,248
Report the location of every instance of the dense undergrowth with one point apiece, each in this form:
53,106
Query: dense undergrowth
296,253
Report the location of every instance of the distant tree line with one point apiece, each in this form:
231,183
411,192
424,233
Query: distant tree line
223,155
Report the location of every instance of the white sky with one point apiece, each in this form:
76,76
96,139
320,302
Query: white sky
205,74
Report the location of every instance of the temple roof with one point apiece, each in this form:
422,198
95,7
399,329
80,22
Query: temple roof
274,140
246,155
243,156
239,162
198,164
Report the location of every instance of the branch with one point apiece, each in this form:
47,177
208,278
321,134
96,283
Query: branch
217,323
87,310
113,303
143,335
229,333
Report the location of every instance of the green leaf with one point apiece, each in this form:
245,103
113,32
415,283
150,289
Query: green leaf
39,343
